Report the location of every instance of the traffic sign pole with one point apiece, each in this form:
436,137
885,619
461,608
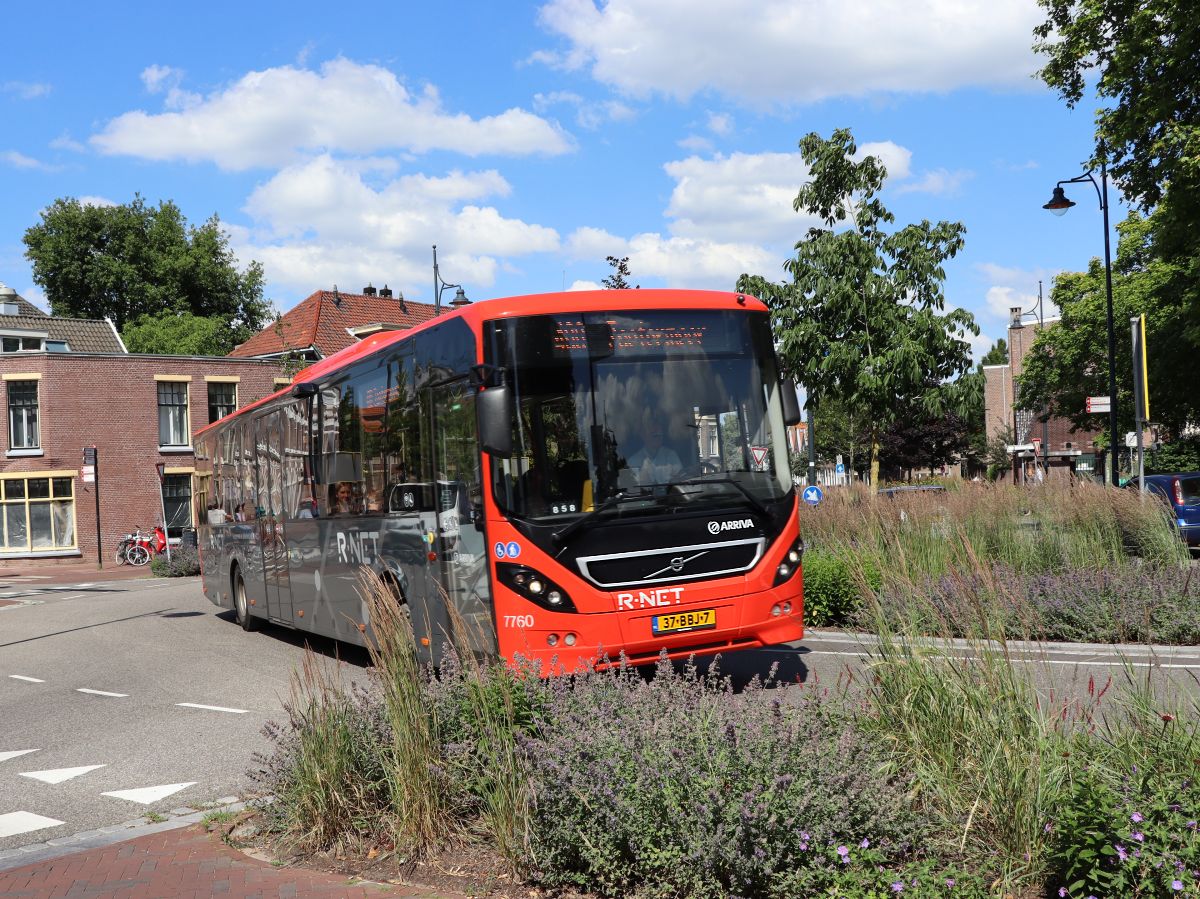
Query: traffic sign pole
91,459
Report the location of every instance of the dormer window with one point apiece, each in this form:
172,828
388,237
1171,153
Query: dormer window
22,344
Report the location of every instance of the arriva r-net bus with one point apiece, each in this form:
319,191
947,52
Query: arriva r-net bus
561,478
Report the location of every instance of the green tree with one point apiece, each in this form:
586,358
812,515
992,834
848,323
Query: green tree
997,355
130,261
862,317
181,334
1067,362
619,279
839,429
1144,60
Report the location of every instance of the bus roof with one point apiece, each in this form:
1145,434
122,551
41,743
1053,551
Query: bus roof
506,307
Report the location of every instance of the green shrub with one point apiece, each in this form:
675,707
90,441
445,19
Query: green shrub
185,562
833,589
676,786
1174,457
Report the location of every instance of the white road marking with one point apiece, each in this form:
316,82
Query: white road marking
58,775
32,680
147,795
22,822
74,596
81,586
13,753
100,692
211,708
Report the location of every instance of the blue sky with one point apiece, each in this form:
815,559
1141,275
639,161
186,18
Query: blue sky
338,142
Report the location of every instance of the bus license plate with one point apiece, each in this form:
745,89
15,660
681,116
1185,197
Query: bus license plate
684,621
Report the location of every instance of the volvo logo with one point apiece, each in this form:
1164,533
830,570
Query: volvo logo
675,565
715,527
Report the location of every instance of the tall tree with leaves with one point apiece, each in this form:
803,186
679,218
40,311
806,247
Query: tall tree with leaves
619,279
862,317
141,265
1144,60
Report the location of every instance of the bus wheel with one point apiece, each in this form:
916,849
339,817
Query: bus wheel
241,606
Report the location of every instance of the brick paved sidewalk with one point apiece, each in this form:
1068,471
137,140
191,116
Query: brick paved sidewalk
183,863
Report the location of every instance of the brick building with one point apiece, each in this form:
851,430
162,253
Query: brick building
68,384
1059,450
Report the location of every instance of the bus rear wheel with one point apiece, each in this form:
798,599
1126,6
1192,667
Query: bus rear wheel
241,605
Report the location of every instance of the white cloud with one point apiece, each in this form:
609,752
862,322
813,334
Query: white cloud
21,161
320,222
797,51
749,196
158,78
940,182
275,116
96,201
696,143
589,115
720,123
26,90
676,261
585,285
65,142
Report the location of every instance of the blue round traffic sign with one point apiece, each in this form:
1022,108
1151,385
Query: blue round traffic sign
812,495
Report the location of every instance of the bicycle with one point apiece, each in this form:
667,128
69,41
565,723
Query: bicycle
138,548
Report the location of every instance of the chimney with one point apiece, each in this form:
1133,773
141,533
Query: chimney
1014,315
369,291
400,299
385,292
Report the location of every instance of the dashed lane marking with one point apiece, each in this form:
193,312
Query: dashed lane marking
101,693
23,822
58,775
148,795
211,708
13,753
25,677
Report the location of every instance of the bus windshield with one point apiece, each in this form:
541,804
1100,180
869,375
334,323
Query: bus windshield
653,408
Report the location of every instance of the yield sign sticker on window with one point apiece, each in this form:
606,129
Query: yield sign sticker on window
759,453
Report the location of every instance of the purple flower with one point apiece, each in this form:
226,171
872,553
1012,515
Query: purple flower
1136,818
1062,892
864,844
804,835
898,886
950,882
843,851
1139,836
1177,885
1121,853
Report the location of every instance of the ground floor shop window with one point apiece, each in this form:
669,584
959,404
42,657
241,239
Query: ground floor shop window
37,513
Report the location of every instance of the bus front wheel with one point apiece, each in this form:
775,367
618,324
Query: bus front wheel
241,606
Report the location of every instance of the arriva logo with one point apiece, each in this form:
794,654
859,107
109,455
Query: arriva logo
649,599
716,527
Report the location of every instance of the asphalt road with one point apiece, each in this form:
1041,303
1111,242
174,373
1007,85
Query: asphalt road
144,690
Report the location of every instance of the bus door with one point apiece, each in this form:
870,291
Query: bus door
270,515
459,499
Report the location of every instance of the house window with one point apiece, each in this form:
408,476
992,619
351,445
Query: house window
23,415
222,399
177,503
37,513
173,413
21,344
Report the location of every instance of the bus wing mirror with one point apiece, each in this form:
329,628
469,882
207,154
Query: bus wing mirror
791,405
494,409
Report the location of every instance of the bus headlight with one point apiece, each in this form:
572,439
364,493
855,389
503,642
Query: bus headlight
790,563
535,587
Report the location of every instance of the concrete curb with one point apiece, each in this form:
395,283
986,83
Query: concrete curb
114,833
1023,647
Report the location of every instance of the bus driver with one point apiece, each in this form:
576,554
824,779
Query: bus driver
654,463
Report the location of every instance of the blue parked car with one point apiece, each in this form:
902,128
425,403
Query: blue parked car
1182,493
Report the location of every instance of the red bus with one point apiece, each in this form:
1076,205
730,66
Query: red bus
572,475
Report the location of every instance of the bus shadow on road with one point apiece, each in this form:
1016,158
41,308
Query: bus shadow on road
773,666
336,650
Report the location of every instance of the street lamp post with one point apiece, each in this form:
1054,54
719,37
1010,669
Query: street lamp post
439,286
1059,204
161,467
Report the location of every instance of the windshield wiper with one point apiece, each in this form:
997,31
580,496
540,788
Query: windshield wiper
753,500
590,517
